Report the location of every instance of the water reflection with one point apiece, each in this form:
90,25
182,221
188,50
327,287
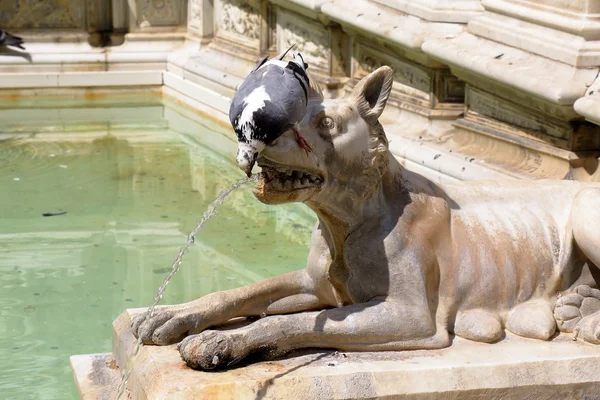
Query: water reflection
132,193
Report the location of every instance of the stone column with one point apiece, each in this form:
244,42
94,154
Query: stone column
525,63
201,19
48,16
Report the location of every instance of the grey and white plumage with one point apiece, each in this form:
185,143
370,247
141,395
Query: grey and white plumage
6,39
270,101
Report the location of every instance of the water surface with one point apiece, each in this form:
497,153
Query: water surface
133,180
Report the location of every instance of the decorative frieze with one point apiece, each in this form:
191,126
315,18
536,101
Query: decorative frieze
311,39
412,83
239,21
161,13
42,14
532,124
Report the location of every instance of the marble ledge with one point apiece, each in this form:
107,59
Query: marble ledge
394,26
548,42
514,368
589,107
308,8
461,11
584,25
475,59
81,79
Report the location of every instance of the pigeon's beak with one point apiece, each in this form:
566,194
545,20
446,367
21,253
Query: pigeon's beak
248,170
246,158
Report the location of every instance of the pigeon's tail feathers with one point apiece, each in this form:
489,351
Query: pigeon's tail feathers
11,40
260,63
272,61
280,57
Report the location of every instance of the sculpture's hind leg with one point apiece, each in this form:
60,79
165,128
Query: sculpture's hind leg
478,325
532,319
585,220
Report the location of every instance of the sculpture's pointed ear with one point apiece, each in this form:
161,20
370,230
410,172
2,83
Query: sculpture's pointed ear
372,92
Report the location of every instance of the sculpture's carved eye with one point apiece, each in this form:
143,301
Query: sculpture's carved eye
326,123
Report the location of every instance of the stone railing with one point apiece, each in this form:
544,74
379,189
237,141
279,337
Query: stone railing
483,89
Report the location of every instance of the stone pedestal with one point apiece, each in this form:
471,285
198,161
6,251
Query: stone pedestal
514,368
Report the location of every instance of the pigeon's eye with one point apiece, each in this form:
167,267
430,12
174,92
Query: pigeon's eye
326,123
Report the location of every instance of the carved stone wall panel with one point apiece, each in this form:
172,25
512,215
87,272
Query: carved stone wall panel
412,82
239,21
42,14
528,123
160,13
311,38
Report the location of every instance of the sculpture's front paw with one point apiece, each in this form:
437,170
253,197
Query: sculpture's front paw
572,307
208,350
168,325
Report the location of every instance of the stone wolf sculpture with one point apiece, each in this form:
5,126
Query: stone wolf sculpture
396,261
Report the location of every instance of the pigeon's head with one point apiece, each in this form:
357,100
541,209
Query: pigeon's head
247,154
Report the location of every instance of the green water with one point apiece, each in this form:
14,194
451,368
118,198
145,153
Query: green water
134,181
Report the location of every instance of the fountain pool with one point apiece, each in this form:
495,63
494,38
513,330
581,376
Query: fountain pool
134,179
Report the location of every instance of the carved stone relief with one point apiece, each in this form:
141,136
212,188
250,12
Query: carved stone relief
536,125
239,21
311,39
195,17
411,81
42,14
161,12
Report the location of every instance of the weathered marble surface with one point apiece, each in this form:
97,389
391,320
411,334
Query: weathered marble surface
515,368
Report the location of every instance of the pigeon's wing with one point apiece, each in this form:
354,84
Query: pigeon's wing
252,81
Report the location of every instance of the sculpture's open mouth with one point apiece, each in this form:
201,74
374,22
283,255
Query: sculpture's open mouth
284,179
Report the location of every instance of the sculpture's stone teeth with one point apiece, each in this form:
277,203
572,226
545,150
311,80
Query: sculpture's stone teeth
282,178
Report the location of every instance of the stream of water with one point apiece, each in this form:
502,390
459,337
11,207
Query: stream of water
210,212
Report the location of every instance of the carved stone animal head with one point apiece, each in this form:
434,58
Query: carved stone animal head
350,149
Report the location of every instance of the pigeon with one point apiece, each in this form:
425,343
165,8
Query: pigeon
270,101
6,39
